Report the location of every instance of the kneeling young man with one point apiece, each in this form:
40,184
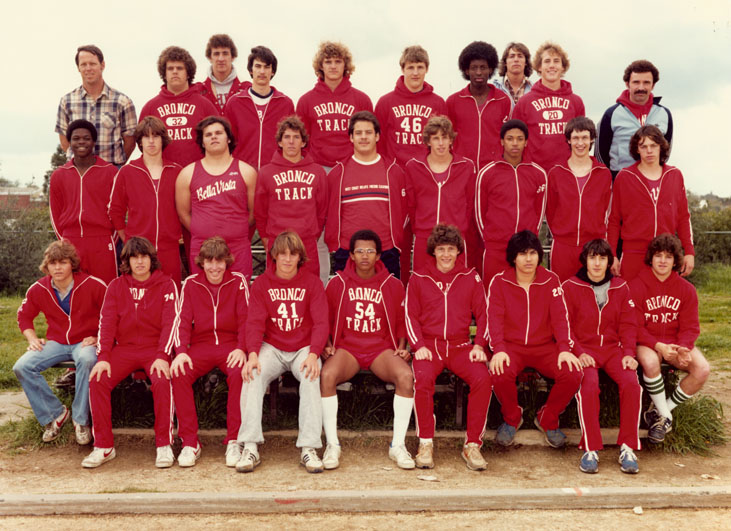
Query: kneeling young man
71,302
604,328
286,330
211,324
667,307
527,323
367,328
441,300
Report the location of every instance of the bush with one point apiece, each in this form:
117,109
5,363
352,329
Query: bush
710,248
24,235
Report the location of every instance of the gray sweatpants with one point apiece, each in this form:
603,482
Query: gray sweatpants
274,363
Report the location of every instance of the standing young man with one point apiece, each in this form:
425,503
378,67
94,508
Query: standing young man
256,111
479,110
548,106
366,192
221,83
515,69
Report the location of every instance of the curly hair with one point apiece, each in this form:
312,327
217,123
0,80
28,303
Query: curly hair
474,51
443,234
151,126
138,246
294,123
176,53
221,40
365,235
330,49
289,239
668,243
640,67
518,47
597,247
654,134
549,46
438,124
214,248
58,251
210,120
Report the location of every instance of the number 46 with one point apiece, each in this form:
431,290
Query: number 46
414,127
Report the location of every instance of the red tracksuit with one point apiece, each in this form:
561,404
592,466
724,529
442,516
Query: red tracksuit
181,113
219,207
402,115
576,215
638,215
393,180
82,321
135,330
292,196
220,102
254,128
210,324
142,206
439,310
532,327
607,335
79,214
326,114
546,113
478,126
366,315
431,201
507,200
667,311
287,314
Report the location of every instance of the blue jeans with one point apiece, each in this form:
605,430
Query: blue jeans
44,402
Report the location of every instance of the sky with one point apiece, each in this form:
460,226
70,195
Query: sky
688,41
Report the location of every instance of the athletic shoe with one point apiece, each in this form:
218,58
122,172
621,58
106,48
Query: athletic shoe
165,457
657,425
310,461
331,457
628,460
233,453
554,438
589,462
472,456
506,433
53,429
66,381
188,456
425,456
83,434
98,456
248,462
401,456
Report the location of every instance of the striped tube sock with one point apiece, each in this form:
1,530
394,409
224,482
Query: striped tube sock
656,388
677,398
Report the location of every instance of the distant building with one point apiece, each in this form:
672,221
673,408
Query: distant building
20,197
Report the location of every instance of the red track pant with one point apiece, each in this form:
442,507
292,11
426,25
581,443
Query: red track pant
565,259
98,257
630,401
493,262
474,374
544,359
205,358
125,360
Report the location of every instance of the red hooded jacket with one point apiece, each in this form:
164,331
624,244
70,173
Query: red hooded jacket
138,316
478,127
82,321
441,305
534,317
141,209
207,92
666,311
402,115
207,319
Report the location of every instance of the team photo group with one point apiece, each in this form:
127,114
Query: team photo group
400,238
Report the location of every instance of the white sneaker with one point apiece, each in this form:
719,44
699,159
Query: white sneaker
98,456
310,461
165,457
53,429
188,456
331,457
402,457
233,453
83,434
248,462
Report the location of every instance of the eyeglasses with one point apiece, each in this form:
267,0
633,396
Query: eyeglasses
365,251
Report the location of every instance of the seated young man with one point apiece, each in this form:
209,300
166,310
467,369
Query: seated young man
604,329
367,329
667,311
286,330
210,332
527,323
71,335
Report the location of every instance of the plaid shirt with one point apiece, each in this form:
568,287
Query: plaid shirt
113,114
504,85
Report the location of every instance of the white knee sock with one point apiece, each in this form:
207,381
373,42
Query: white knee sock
656,388
677,397
402,408
330,418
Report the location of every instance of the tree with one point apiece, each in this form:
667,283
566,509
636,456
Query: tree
58,159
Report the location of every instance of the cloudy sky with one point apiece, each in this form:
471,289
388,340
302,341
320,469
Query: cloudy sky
688,41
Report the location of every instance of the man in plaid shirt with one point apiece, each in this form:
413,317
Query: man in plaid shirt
111,112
